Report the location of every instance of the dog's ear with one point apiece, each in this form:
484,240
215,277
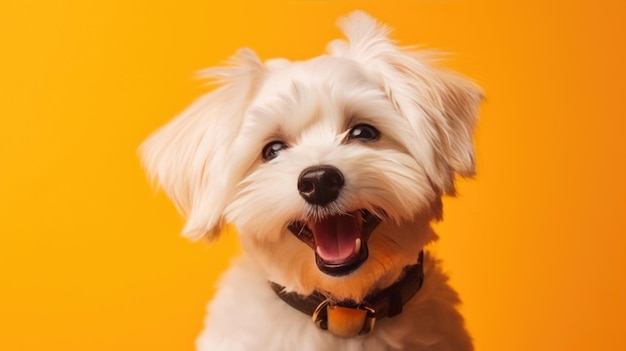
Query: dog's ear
189,157
440,106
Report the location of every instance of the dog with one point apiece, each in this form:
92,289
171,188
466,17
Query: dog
332,171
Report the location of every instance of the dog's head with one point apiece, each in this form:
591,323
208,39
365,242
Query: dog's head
330,168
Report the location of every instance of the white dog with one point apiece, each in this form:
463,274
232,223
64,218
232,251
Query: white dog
332,170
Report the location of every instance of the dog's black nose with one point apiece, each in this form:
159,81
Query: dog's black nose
320,185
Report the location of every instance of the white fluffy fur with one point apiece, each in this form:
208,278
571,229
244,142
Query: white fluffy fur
209,162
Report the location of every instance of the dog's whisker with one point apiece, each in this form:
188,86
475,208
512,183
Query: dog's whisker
301,231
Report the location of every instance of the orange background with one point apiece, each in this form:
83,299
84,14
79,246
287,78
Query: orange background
91,260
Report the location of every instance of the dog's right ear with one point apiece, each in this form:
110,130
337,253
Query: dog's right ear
190,156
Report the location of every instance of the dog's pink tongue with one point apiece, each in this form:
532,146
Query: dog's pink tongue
336,237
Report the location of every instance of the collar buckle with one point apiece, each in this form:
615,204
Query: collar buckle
345,320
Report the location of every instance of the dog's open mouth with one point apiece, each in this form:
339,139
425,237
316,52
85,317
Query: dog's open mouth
339,241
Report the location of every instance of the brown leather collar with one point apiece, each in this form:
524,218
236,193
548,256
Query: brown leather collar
385,303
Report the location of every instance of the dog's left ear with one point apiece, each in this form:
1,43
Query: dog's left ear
441,107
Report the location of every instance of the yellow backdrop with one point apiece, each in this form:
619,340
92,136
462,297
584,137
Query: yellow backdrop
90,259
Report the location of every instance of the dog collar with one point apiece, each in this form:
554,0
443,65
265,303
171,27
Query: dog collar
349,318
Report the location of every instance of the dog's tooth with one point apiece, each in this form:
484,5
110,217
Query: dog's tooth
357,246
317,249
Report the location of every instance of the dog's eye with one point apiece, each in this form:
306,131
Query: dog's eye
364,132
272,149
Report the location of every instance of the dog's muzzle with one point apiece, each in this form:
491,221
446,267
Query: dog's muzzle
339,240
